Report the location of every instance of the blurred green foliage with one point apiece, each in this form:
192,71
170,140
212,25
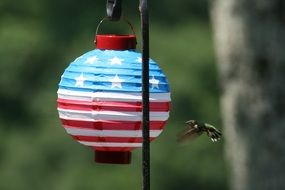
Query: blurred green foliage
38,39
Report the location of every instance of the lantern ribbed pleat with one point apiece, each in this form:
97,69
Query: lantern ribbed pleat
100,101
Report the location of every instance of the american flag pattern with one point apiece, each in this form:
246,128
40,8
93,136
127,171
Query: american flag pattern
100,101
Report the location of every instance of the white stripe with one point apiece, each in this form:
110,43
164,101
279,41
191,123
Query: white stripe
111,96
104,144
108,133
109,115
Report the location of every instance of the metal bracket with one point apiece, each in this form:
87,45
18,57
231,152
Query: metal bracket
114,9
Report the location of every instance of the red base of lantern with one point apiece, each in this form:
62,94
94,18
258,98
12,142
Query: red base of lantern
111,157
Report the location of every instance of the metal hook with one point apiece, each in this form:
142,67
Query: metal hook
114,9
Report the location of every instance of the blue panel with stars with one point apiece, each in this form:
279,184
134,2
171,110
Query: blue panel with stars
113,71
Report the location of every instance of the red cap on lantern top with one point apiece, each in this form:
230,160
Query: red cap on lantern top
115,42
100,101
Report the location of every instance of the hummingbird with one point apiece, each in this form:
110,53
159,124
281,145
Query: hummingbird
195,129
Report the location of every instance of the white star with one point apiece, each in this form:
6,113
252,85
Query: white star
116,60
116,82
139,60
80,80
154,83
91,60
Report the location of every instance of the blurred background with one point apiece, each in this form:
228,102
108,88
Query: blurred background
38,40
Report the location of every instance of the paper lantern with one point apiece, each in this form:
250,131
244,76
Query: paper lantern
100,99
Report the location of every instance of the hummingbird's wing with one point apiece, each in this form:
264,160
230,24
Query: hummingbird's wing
189,133
213,133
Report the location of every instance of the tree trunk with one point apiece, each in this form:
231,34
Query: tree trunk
250,46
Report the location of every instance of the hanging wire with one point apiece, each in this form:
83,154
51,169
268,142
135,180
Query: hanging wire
106,18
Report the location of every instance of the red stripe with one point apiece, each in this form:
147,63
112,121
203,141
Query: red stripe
110,106
112,125
110,139
113,148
